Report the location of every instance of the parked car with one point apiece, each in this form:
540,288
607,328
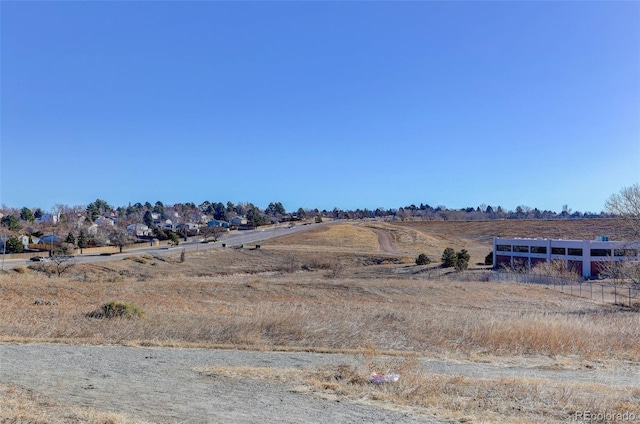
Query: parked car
38,259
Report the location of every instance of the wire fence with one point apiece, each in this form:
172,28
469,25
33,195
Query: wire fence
616,294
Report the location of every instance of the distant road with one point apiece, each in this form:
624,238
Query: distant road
246,238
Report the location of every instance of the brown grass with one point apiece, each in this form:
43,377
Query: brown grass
466,399
335,238
331,289
22,407
316,309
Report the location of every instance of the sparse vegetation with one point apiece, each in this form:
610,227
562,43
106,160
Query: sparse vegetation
117,309
423,259
349,298
24,407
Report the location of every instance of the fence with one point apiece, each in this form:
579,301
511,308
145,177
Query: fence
44,249
617,294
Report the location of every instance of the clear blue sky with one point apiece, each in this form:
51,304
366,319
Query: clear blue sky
320,104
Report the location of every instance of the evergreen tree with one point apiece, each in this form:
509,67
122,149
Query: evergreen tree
70,238
462,260
253,217
11,222
26,214
148,219
92,212
14,245
83,242
448,257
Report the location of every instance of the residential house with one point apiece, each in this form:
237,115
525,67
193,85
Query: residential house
140,230
217,223
48,218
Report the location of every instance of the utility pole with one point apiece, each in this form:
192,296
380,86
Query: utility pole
4,250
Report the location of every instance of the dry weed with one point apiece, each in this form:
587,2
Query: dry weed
23,407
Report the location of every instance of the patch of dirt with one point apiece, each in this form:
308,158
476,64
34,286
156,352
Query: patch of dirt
165,385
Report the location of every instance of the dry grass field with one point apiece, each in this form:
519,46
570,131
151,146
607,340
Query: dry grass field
337,289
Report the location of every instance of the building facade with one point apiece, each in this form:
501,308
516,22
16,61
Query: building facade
584,257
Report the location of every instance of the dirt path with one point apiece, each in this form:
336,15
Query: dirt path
385,239
164,385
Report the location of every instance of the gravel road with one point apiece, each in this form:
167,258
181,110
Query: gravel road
163,385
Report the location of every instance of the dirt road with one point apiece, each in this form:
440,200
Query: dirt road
385,239
164,385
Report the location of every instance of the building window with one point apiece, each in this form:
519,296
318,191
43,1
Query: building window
625,252
503,248
538,249
522,249
558,251
574,251
600,252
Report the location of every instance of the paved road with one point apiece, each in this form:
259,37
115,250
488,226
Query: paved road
249,237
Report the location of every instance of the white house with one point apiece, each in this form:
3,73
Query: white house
190,227
585,257
140,230
105,221
47,217
238,220
165,224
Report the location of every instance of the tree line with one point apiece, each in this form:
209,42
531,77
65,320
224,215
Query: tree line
73,222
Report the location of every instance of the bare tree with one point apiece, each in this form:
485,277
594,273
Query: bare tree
61,261
58,263
214,232
121,237
626,206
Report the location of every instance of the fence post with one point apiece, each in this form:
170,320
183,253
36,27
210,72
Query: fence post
580,289
629,296
615,294
590,290
602,287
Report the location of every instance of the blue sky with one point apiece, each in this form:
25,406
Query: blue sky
320,104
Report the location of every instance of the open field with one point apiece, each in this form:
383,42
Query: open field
339,289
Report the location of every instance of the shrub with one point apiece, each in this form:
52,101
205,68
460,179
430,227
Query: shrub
20,269
459,260
174,238
423,259
116,309
488,260
462,260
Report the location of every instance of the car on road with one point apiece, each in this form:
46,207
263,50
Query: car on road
38,259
